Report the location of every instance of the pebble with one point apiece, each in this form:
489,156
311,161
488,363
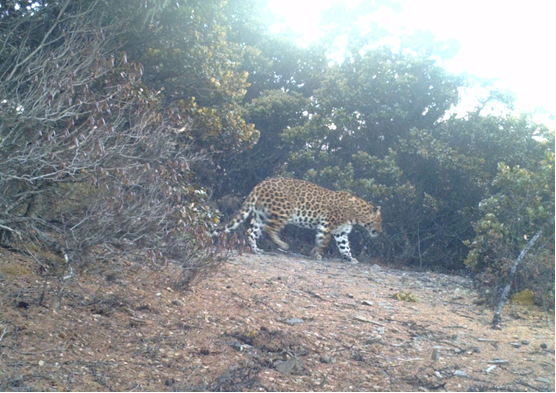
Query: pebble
286,367
460,373
499,361
525,342
367,303
544,346
327,359
516,345
544,380
294,321
490,368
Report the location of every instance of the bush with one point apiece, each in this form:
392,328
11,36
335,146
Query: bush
94,167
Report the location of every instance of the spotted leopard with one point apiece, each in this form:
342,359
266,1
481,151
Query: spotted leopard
280,201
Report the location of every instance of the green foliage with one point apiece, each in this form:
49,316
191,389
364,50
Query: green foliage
522,202
194,69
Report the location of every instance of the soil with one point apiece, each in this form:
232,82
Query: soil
264,323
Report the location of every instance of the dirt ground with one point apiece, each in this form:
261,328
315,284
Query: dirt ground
265,323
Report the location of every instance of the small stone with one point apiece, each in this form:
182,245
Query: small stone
235,345
434,355
350,295
373,340
516,345
525,342
327,359
490,368
41,363
286,367
169,382
294,321
204,352
499,361
460,373
544,346
367,303
543,380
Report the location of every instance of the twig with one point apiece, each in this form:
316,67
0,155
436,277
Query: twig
42,44
3,334
11,230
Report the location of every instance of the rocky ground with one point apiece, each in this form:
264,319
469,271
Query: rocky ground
265,323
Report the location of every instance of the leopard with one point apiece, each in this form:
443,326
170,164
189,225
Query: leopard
279,201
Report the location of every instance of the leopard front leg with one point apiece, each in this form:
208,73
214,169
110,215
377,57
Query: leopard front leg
342,241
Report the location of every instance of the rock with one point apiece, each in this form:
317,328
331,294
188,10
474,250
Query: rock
544,346
487,340
490,368
367,302
350,295
294,321
235,345
499,361
543,380
516,345
460,373
327,359
434,355
372,340
375,268
525,342
169,382
286,366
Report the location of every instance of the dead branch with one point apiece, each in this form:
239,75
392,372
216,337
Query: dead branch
504,297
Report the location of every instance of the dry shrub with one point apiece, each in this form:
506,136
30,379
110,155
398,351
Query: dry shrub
93,167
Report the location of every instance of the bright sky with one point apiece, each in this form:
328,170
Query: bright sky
512,41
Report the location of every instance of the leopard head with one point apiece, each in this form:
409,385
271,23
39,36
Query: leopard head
372,222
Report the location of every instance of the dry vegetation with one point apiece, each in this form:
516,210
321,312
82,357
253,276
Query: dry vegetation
264,323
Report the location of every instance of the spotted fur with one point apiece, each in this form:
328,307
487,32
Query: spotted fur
280,201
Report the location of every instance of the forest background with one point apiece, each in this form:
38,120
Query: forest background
125,125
